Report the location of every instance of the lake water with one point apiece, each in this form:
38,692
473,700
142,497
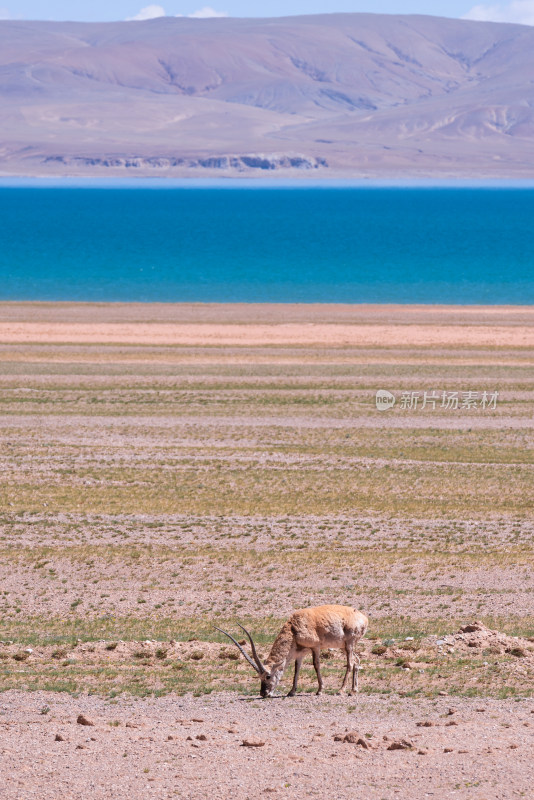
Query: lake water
275,244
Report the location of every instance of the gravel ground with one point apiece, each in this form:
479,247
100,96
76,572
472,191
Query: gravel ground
190,747
47,568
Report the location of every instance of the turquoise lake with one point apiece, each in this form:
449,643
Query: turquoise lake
275,244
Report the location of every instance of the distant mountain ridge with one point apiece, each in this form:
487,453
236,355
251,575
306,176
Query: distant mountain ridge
325,95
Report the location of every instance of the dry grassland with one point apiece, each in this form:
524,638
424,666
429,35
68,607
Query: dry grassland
161,488
150,490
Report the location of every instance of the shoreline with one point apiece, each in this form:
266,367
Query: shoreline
268,324
267,182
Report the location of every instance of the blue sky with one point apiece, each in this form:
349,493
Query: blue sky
506,11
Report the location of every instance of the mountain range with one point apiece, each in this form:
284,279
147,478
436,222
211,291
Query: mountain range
338,95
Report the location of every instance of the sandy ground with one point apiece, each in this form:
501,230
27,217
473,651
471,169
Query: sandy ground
280,334
270,324
193,748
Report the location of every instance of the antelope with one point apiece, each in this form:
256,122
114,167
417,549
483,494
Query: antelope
307,630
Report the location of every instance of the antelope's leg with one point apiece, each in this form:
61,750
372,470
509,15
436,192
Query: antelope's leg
350,663
295,677
317,665
355,674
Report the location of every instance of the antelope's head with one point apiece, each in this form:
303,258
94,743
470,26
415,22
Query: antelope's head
269,682
269,678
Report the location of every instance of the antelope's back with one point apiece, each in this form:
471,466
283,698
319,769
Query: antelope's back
328,624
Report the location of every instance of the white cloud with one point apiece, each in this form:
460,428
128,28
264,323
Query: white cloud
518,11
148,12
155,11
207,12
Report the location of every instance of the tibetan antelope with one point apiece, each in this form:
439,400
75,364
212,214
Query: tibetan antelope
307,630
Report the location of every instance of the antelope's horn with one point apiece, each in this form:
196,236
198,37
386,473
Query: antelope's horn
257,659
250,661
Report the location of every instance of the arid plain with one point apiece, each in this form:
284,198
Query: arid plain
170,467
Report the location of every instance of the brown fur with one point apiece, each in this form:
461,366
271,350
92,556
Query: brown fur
307,631
281,646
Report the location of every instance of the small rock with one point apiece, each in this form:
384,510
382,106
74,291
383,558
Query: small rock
426,724
252,743
59,738
514,746
480,710
451,722
202,737
379,650
189,739
354,738
442,694
131,725
83,720
81,747
448,750
170,738
422,752
452,711
195,719
401,744
473,627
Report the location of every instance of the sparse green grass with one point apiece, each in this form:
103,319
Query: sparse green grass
290,561
382,488
57,631
270,433
143,673
308,385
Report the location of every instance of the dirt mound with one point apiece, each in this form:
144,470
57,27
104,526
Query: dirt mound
478,636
